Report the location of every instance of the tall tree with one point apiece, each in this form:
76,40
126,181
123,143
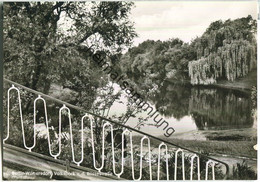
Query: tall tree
45,42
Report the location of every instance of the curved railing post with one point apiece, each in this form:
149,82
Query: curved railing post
82,140
159,159
21,116
46,121
103,146
207,169
141,158
122,155
198,166
176,161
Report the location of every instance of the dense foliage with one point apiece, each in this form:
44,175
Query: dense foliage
46,42
45,49
154,61
226,50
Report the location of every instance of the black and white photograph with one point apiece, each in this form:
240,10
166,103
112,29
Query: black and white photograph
129,90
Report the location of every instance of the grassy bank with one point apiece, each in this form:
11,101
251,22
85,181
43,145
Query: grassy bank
242,146
237,148
233,148
234,142
245,83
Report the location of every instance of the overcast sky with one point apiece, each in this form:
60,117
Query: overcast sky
161,20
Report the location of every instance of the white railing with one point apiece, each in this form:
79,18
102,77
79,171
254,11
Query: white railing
127,131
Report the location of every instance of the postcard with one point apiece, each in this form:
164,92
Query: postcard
129,90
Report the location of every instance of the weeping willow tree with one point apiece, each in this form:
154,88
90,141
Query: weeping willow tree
225,51
233,60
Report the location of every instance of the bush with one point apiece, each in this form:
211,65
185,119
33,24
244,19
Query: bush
241,171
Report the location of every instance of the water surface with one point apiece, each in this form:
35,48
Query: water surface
189,108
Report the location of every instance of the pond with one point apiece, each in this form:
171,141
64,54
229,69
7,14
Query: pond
190,109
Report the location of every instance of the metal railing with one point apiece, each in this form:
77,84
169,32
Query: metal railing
109,123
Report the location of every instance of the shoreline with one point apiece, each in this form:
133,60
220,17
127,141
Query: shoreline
243,84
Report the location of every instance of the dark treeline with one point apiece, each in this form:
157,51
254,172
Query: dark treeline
225,51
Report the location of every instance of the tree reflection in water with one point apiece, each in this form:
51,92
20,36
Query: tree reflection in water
211,108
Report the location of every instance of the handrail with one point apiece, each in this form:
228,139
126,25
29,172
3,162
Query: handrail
116,123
